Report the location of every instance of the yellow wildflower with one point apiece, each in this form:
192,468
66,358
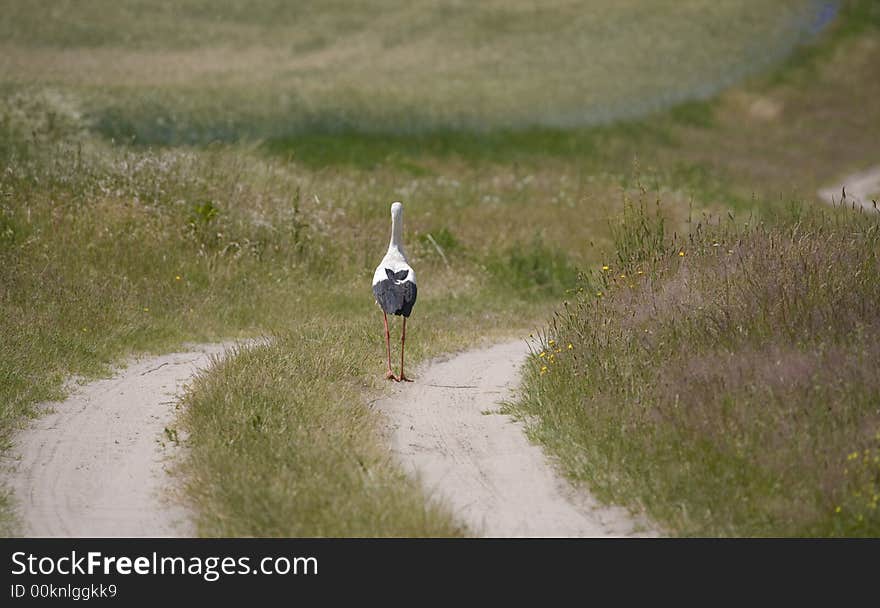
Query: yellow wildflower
177,277
543,354
570,347
606,268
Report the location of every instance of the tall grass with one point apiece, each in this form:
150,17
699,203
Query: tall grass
724,380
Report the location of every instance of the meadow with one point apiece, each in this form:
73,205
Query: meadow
199,171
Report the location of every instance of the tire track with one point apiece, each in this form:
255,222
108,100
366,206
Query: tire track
446,430
95,464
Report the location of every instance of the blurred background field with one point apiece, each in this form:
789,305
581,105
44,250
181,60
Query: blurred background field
195,71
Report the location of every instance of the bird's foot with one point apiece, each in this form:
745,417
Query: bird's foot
402,378
389,375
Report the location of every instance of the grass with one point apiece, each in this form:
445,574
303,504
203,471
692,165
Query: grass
723,381
283,446
182,175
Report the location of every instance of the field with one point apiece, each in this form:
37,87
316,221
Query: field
210,170
196,72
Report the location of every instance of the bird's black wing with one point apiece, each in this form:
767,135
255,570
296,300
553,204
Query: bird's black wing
395,298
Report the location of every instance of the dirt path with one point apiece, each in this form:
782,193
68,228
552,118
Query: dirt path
444,431
861,188
95,465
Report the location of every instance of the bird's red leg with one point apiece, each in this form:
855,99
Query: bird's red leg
402,377
389,375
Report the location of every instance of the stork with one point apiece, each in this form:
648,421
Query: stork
394,285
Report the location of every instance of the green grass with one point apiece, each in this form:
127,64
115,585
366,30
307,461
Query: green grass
723,381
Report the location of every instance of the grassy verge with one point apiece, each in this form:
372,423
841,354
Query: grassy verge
723,382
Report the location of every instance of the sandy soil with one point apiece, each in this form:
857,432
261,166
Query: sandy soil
861,189
95,464
445,429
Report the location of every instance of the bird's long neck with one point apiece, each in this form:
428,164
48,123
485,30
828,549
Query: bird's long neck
396,232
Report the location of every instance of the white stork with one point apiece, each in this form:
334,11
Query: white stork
394,285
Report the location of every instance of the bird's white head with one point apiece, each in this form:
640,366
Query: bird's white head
396,210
